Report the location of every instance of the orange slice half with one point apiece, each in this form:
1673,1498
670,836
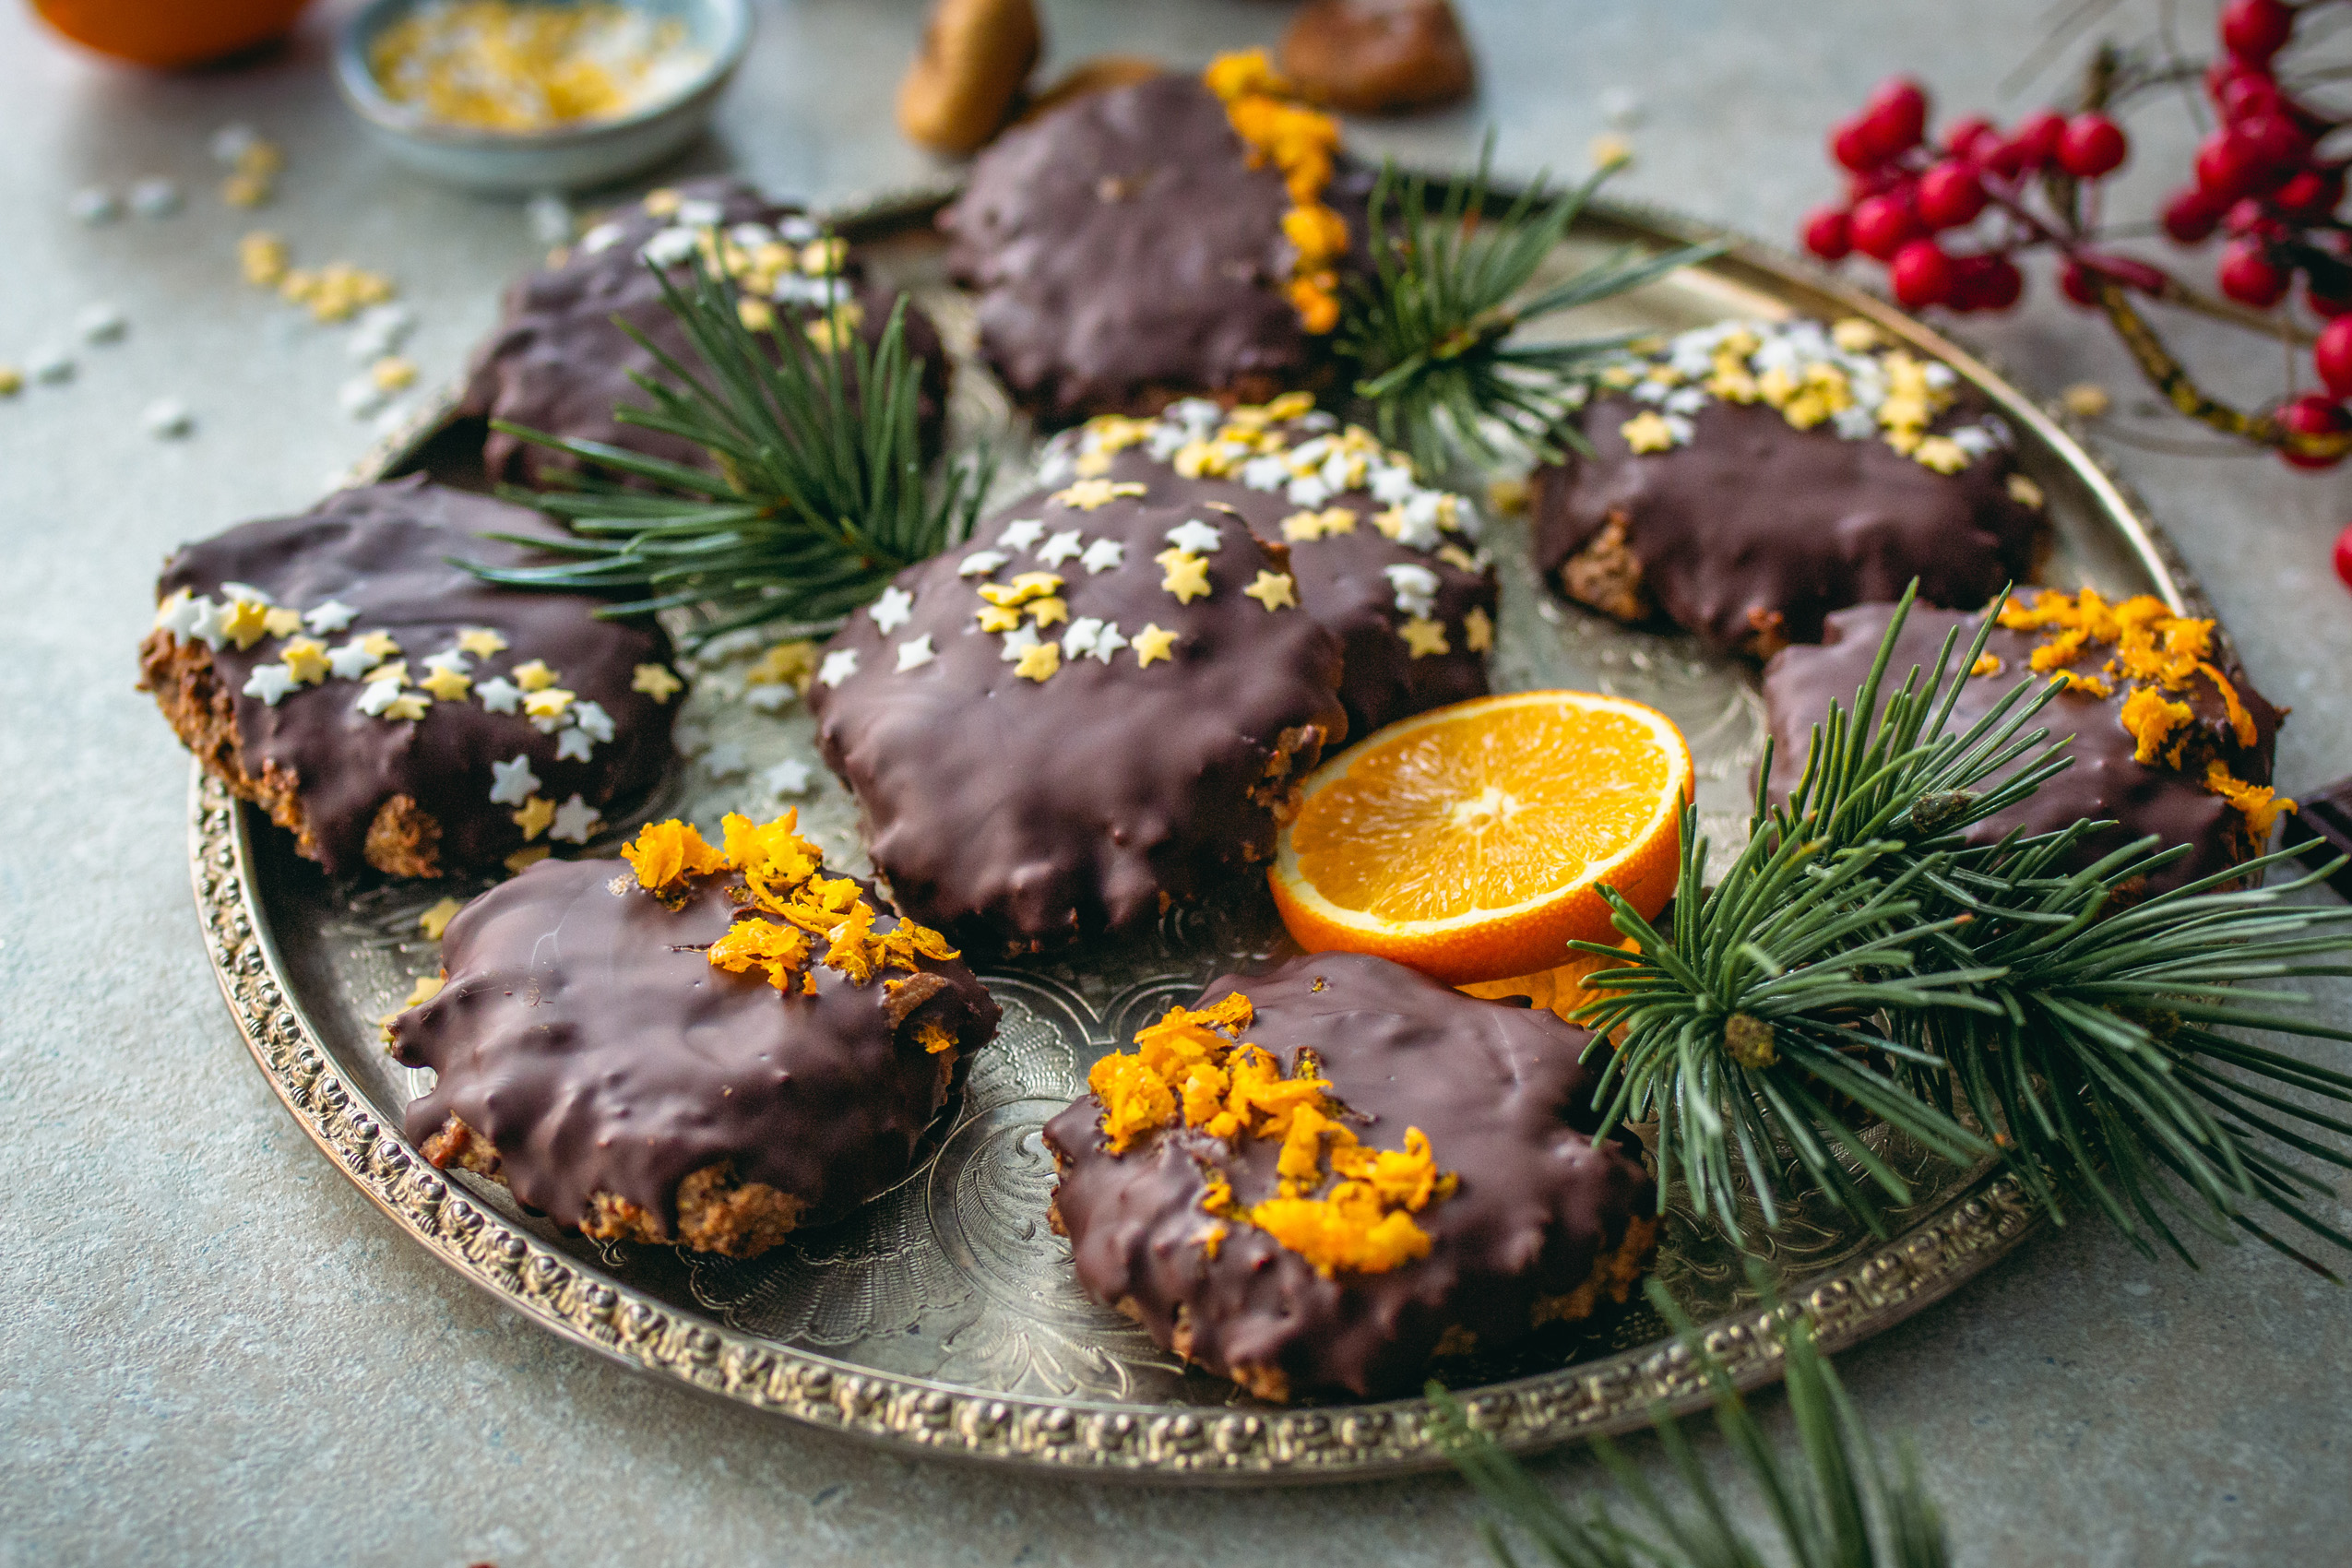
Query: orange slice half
1470,841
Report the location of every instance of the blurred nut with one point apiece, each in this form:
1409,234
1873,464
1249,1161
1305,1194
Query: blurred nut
976,54
1098,75
1378,56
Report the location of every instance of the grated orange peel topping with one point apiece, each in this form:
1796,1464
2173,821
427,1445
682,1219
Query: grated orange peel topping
1301,143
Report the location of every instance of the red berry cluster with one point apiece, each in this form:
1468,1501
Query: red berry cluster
1948,219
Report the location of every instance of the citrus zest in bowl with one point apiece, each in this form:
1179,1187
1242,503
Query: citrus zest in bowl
1470,841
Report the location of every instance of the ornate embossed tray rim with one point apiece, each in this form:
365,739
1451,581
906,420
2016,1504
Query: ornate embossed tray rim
1881,1285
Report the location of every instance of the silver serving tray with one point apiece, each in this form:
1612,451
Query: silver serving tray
942,1316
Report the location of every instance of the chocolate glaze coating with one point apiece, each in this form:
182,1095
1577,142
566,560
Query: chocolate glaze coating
386,551
1754,518
1500,1093
583,1030
557,361
1006,811
1126,253
1342,584
1801,683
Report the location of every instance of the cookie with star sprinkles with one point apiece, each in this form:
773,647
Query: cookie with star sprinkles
559,361
713,1045
1749,478
1178,236
2167,735
388,707
1315,1181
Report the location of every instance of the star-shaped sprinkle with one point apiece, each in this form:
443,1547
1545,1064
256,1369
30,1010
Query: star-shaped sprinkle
1392,486
269,683
534,818
205,627
1103,555
591,717
1062,547
655,681
1425,636
1088,494
1049,611
1307,492
179,614
1477,630
405,705
381,644
351,660
914,653
498,694
1196,537
893,609
1275,590
725,760
448,659
1647,432
1040,663
770,699
980,563
1414,586
245,622
245,593
789,777
1154,642
1940,453
305,659
513,783
1269,472
547,702
397,672
480,641
1187,577
574,745
1022,533
1106,642
331,616
575,821
378,695
446,684
838,666
1016,643
535,676
435,920
279,622
997,617
1079,639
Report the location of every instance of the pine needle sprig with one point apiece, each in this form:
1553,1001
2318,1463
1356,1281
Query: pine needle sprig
1833,1502
1432,329
816,496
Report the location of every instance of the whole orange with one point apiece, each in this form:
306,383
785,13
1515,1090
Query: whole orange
169,34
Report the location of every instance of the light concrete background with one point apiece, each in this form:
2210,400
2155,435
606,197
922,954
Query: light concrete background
212,1349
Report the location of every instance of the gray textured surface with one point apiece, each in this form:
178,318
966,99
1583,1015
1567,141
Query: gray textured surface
213,1350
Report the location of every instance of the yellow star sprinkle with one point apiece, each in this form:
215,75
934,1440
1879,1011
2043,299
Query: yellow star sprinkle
535,676
998,617
791,663
247,623
1089,493
435,920
305,659
1646,433
655,682
1154,642
1049,611
1040,663
447,685
1943,454
1090,464
547,703
1854,335
1187,578
522,860
1300,526
281,622
480,641
1275,590
408,705
379,645
397,672
1477,630
535,816
1425,638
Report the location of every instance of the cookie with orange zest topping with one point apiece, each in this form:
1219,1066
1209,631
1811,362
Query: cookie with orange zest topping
1315,1181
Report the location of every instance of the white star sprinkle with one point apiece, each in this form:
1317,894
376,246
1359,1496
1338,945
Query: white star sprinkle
914,653
725,760
514,782
701,214
838,666
574,745
331,616
1266,474
1080,637
378,695
669,247
1022,533
893,609
497,694
240,593
575,820
771,698
1416,589
450,659
980,563
1108,641
181,614
601,238
1392,485
353,659
1060,547
1018,641
591,718
1420,530
1308,491
1196,537
789,777
271,682
1103,555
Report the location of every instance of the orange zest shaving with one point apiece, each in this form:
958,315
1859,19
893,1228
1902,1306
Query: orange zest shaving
2150,718
2261,803
667,852
1301,143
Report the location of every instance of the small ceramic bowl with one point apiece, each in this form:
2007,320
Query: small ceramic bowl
571,158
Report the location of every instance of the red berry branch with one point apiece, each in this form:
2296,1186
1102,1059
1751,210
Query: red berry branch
1949,215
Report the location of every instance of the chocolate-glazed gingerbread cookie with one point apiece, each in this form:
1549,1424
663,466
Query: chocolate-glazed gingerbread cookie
1750,477
2145,762
390,708
648,1056
1318,1179
559,361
